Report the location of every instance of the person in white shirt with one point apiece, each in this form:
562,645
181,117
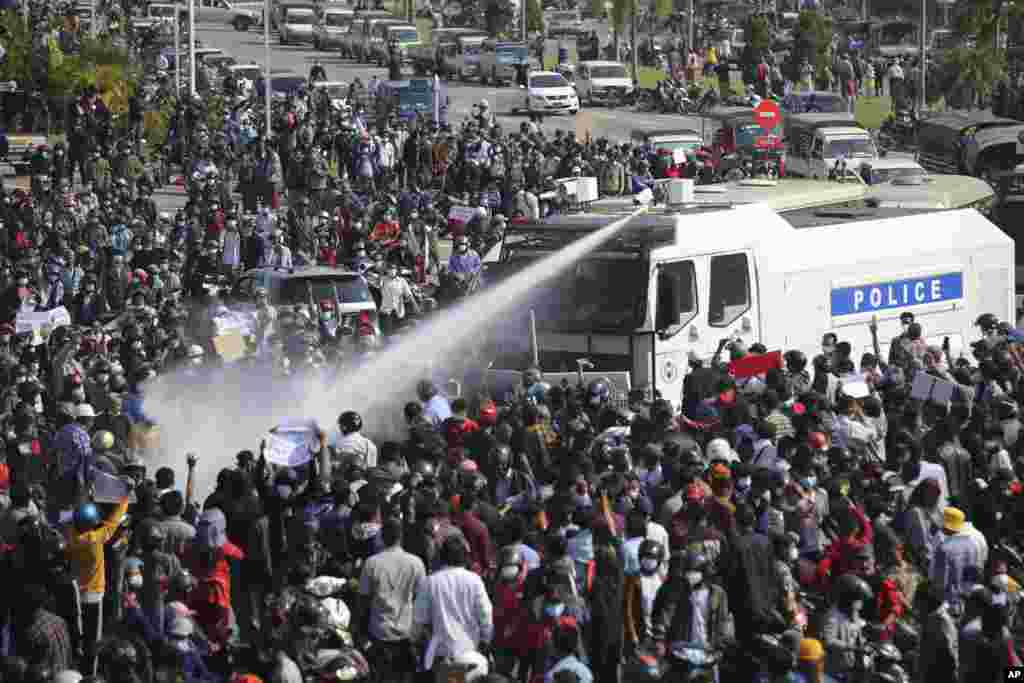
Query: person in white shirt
394,293
280,255
348,444
453,605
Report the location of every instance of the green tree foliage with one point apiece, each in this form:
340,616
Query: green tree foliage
17,65
811,42
534,15
622,11
597,7
758,36
663,8
499,16
969,74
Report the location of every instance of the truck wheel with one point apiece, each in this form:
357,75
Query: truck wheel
241,24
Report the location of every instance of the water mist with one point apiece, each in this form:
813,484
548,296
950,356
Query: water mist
216,419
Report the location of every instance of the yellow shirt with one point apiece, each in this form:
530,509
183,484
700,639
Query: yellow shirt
85,550
712,56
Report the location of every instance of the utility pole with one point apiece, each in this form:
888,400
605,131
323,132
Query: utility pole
689,29
266,61
632,39
177,50
923,98
522,11
192,46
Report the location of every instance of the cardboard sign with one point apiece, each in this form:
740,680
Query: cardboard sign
755,364
288,448
110,489
461,214
584,126
230,346
929,388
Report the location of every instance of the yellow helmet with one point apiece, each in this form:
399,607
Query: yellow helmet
102,441
811,650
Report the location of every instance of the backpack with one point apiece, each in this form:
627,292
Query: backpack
212,529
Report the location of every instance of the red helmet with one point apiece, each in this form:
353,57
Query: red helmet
489,414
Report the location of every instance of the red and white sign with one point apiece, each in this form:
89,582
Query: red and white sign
767,114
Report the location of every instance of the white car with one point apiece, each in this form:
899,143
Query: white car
549,92
606,82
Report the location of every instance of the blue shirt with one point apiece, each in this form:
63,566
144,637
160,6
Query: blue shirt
530,557
464,263
437,410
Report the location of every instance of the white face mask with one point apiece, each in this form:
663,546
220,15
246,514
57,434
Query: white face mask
694,578
856,607
794,554
743,483
135,581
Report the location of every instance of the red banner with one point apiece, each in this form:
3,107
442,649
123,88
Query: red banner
755,364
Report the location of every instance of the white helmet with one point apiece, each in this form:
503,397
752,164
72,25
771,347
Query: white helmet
484,104
195,351
719,449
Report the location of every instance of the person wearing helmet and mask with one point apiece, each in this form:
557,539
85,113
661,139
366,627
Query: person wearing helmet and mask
464,261
158,568
642,590
87,537
348,444
673,622
843,625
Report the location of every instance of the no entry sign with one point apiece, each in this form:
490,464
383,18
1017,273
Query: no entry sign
767,114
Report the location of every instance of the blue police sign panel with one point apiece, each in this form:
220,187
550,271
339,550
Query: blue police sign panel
880,296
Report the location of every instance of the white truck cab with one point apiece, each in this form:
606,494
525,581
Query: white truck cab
679,282
816,142
602,82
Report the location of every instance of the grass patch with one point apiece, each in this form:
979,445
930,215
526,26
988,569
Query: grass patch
872,111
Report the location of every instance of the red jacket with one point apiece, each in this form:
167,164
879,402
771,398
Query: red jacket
841,553
211,597
481,550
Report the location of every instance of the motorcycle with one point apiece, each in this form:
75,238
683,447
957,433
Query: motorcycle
691,663
899,130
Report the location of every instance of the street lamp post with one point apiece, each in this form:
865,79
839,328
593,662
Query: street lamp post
192,46
177,50
266,59
922,78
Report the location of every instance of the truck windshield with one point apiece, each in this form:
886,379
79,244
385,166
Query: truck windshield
845,149
338,20
300,19
884,175
512,54
409,36
612,71
607,295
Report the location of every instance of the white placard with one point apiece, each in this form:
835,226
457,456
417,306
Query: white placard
461,214
59,316
29,322
929,388
287,452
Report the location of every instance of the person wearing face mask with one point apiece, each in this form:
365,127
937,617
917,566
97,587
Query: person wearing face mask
809,507
158,568
641,592
510,612
787,557
188,662
17,298
691,614
464,261
955,555
843,626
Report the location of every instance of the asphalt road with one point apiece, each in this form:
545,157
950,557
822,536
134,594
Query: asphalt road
615,124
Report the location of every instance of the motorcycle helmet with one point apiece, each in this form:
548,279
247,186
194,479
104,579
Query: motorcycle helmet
598,392
796,361
350,422
510,563
987,322
86,516
850,588
652,555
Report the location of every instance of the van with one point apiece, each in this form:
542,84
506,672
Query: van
296,25
499,60
674,285
465,62
439,54
816,142
603,82
373,32
403,35
563,23
332,25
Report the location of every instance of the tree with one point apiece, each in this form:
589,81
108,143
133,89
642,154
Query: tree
811,42
17,64
534,16
758,35
663,8
622,10
969,74
499,16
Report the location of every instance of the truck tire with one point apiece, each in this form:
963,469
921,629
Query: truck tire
241,24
